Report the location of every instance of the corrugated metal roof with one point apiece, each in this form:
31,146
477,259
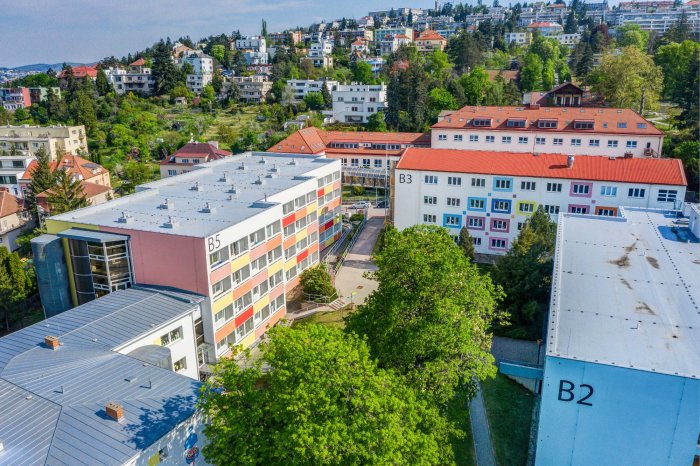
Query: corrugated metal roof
52,401
626,293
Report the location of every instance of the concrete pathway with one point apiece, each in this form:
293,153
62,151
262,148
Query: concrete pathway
509,349
481,432
350,281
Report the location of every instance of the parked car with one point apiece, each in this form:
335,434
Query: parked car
361,205
382,205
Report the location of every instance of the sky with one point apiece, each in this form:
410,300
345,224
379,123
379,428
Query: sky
85,31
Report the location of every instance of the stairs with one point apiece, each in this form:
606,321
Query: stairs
337,304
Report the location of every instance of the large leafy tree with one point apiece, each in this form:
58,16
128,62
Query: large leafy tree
362,73
531,73
102,83
628,80
323,402
66,194
525,273
318,284
630,34
429,317
164,70
42,177
679,62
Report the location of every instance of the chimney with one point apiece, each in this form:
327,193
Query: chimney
115,411
570,161
52,342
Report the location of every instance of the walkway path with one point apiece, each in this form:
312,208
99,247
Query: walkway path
480,431
350,281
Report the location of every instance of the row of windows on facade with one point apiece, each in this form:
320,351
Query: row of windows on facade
549,123
581,189
611,143
525,207
239,276
366,163
356,145
250,324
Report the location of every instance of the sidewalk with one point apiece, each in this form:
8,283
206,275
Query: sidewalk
350,282
481,432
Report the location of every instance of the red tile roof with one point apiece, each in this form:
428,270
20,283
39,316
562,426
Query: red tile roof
543,24
586,167
315,141
606,119
208,152
9,204
73,164
430,35
82,71
139,62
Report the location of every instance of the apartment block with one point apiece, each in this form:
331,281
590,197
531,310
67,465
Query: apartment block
13,98
188,156
320,53
519,38
18,144
97,384
428,41
300,87
355,103
493,193
202,70
254,89
622,365
137,78
238,231
254,49
581,131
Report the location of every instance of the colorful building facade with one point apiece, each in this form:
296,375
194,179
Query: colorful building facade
238,231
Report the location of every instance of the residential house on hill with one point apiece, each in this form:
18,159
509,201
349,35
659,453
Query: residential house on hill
189,155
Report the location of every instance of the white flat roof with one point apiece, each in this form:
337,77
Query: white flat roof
626,292
188,205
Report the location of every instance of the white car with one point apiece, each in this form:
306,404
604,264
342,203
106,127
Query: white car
361,205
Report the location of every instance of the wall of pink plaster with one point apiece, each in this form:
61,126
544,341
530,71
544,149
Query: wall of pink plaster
168,260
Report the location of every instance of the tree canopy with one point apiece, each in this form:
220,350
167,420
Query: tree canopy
325,401
429,316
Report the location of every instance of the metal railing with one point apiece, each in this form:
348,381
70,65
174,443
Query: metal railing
355,234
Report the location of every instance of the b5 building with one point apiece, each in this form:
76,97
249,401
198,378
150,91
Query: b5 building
238,231
493,193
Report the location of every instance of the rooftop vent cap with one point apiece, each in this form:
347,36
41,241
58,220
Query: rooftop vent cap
570,161
115,411
224,177
293,162
241,166
263,160
125,218
274,168
171,223
52,342
197,186
233,189
259,180
167,204
208,208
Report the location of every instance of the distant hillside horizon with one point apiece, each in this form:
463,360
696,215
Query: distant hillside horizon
39,67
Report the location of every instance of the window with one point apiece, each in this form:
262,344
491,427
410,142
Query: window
377,163
578,209
526,207
575,142
513,123
272,229
583,124
245,329
217,258
257,237
477,203
243,302
473,138
612,143
289,206
258,264
260,289
478,182
667,195
355,162
171,337
608,191
429,218
458,137
442,137
527,185
580,189
502,184
223,316
641,125
547,124
221,287
498,243
558,141
540,141
481,121
506,139
274,255
430,200
240,275
452,220
605,211
594,142
523,140
500,205
636,193
454,181
498,224
520,226
430,179
180,365
453,201
290,229
476,223
172,172
490,139
631,144
551,209
365,163
262,315
476,241
622,124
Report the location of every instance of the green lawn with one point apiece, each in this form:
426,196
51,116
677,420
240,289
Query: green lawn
458,412
235,123
332,318
370,194
509,409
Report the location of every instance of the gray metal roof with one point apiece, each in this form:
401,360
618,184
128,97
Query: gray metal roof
189,194
52,401
626,292
91,235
